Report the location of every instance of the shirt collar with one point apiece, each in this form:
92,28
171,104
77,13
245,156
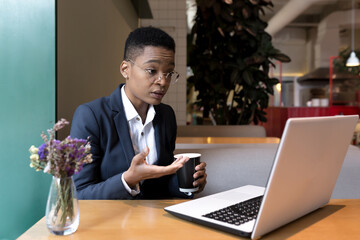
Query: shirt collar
130,110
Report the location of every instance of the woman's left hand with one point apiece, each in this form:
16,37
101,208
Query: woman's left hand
200,177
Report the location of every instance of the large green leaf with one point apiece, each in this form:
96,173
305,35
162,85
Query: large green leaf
247,76
282,57
235,76
230,49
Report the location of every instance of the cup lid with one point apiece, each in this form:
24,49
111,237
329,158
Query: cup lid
190,155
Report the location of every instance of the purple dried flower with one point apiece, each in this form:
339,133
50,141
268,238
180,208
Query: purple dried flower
63,158
43,151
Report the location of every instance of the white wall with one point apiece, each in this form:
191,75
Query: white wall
170,16
312,48
292,42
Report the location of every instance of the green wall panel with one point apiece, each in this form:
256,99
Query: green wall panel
27,107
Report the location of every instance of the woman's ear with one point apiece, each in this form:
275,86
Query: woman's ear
125,69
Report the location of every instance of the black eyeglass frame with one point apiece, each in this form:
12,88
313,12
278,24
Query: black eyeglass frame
172,80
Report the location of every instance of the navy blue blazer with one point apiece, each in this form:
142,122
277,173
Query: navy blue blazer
104,120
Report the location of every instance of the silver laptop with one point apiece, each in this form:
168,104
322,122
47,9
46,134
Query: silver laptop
306,166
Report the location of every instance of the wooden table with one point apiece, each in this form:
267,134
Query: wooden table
226,140
146,219
219,142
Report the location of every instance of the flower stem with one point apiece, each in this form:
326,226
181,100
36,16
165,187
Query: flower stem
64,204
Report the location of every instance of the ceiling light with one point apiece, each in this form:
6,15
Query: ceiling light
352,61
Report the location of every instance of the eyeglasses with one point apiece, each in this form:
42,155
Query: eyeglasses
153,75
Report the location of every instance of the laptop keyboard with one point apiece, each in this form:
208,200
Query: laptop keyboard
238,213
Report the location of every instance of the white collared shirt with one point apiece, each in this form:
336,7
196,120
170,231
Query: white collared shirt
141,135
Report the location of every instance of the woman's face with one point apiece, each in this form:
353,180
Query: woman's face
143,82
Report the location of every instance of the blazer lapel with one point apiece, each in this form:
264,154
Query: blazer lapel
157,129
122,129
121,124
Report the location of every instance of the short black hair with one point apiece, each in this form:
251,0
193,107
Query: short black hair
146,36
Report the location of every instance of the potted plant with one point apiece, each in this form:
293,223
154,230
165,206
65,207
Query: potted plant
230,55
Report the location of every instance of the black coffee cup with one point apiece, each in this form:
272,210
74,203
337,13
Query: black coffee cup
185,174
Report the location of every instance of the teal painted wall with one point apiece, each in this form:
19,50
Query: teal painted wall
27,107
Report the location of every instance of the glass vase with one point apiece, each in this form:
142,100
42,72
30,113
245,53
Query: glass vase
62,209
